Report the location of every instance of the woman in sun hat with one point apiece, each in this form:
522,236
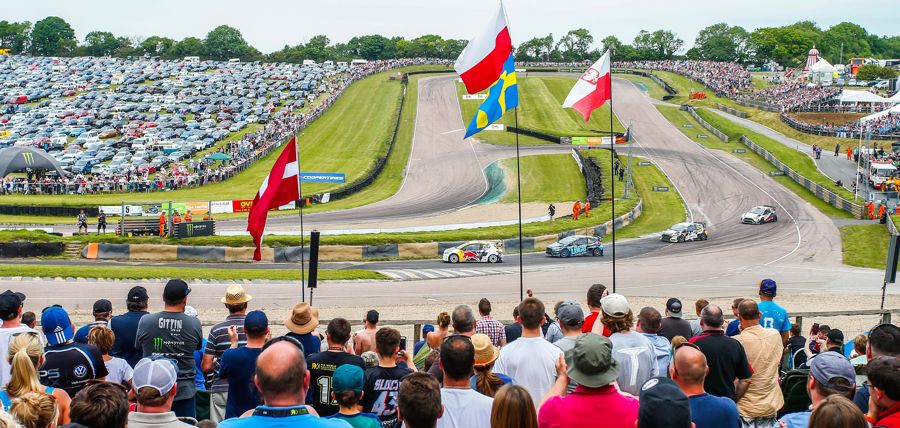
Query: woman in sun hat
485,381
301,324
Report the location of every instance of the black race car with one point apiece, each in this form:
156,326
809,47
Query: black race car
682,232
576,245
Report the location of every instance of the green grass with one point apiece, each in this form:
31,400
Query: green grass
865,245
545,178
49,270
757,80
680,118
653,89
661,209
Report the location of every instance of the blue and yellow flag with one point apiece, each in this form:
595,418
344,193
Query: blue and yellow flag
502,96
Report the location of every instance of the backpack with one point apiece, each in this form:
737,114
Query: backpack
793,387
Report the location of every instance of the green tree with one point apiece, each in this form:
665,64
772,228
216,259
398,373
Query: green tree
658,45
224,42
101,43
612,43
52,36
372,47
787,46
721,42
575,45
14,36
190,46
156,45
843,41
885,47
875,71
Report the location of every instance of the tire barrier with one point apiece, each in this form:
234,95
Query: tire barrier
822,193
327,253
704,124
731,111
819,130
31,249
593,177
57,211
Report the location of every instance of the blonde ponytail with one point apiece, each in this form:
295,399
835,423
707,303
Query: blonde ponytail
25,351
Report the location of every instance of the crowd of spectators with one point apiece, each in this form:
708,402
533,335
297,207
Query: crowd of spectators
887,126
617,367
792,95
727,79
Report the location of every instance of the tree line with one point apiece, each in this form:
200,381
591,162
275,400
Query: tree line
787,45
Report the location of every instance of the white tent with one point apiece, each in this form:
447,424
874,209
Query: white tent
821,72
895,109
854,97
896,98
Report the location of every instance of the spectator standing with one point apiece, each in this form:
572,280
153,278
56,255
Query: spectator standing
34,410
513,408
484,380
301,324
833,342
884,341
419,402
634,353
884,385
729,371
282,380
570,318
771,315
125,326
663,405
648,324
67,365
100,405
464,407
347,382
236,301
734,327
173,334
101,222
364,340
829,374
383,381
858,356
118,370
432,341
695,324
488,325
530,361
763,346
427,328
102,314
673,324
513,331
11,305
838,412
82,221
323,365
689,370
26,354
29,319
463,320
155,389
238,365
596,293
595,399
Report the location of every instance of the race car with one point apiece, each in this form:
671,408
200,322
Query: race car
475,251
759,215
685,232
576,245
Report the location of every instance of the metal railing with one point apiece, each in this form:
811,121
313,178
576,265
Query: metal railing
705,124
840,132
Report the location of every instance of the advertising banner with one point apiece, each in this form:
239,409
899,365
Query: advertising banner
495,127
222,207
116,210
326,197
582,141
241,205
196,228
288,206
322,177
474,96
197,208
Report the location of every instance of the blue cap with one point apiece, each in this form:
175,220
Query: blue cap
256,322
56,325
347,377
767,287
427,328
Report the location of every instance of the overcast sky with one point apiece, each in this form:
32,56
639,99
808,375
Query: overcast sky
270,24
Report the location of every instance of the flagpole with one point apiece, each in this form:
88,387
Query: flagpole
612,159
302,238
519,199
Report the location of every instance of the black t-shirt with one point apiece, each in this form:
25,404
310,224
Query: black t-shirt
671,327
727,361
513,331
380,392
70,367
321,368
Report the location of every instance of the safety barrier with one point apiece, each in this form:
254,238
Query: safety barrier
536,134
593,177
31,249
705,124
672,92
828,132
759,105
57,211
731,111
822,193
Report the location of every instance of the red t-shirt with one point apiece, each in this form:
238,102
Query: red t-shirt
589,324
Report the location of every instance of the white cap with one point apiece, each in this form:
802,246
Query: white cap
614,305
160,375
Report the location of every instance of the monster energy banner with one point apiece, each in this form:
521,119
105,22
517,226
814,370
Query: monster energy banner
14,159
194,228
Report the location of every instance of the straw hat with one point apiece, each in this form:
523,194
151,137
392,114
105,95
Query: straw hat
235,295
304,319
485,351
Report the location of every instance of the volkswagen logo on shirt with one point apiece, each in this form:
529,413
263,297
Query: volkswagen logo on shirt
80,371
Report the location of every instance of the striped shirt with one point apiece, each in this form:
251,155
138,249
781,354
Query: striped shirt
218,342
492,328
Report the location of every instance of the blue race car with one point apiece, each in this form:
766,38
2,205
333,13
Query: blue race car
576,245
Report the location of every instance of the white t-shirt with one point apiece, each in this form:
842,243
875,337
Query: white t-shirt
6,335
119,371
531,363
465,408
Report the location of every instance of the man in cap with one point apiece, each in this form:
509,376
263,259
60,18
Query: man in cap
11,305
364,340
67,365
219,340
760,402
833,342
771,315
173,334
238,364
155,389
674,324
530,360
591,365
102,314
570,318
302,325
347,389
663,405
648,324
322,365
633,351
689,371
125,326
830,374
464,407
729,371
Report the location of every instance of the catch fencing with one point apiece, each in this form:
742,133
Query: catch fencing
705,124
821,192
731,111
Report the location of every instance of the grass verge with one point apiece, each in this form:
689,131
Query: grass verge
46,270
545,178
645,84
865,245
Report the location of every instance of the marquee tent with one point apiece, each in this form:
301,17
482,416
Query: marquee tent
14,159
821,72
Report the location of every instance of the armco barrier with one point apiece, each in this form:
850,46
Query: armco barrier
704,124
822,193
327,253
731,111
532,133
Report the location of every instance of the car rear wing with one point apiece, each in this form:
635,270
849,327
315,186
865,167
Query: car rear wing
769,206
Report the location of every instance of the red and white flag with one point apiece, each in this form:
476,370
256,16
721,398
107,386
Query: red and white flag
279,188
790,73
592,90
480,64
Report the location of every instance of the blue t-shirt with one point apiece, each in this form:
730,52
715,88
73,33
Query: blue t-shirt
734,328
81,335
796,420
199,378
773,316
238,366
359,420
301,419
125,327
311,343
709,411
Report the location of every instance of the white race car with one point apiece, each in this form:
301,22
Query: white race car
475,251
682,232
759,215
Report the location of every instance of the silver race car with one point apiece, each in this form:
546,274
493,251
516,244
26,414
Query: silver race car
759,215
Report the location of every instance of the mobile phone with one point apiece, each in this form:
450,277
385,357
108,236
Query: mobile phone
403,343
815,329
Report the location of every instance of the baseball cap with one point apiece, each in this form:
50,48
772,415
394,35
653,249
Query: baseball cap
427,328
56,325
835,336
256,322
826,368
673,305
591,362
10,301
102,306
614,305
138,294
570,313
159,374
347,377
176,289
768,287
663,405
372,316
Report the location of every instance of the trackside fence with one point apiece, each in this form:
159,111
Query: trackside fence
822,193
672,92
831,132
705,124
731,111
759,105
